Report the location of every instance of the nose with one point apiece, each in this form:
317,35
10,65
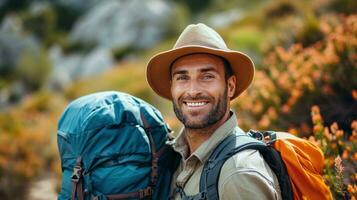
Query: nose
193,88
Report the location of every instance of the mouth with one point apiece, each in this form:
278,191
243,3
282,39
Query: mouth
195,104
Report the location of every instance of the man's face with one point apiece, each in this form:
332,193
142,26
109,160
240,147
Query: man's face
200,91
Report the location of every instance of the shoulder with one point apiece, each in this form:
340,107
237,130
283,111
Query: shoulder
249,158
247,173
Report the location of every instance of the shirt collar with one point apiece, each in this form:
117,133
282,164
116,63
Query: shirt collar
204,150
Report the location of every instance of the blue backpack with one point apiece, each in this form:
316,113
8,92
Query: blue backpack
112,146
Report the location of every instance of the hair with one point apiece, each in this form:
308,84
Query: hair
228,72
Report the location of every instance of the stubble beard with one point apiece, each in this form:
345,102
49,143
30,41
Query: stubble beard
212,117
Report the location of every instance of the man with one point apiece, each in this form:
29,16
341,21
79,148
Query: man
200,75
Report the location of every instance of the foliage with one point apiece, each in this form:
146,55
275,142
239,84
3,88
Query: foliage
248,39
26,143
340,151
66,16
344,6
280,8
195,6
34,69
308,58
291,81
41,23
11,6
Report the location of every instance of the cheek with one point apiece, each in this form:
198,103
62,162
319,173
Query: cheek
175,91
218,88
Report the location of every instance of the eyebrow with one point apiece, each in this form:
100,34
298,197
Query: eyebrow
205,69
180,72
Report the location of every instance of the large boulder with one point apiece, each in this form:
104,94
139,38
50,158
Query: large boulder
68,68
123,23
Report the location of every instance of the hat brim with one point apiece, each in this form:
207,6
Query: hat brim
158,68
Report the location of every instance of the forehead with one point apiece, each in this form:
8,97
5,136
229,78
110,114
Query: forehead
198,61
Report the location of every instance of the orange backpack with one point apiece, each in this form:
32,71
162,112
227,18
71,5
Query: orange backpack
297,163
304,162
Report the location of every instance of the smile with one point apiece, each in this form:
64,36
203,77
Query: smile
195,104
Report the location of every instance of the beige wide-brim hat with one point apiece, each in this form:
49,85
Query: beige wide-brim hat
198,38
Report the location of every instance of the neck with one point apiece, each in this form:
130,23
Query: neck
196,137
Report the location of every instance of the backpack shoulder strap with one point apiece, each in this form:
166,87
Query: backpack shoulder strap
275,161
212,168
234,144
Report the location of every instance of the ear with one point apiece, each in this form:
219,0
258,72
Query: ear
231,84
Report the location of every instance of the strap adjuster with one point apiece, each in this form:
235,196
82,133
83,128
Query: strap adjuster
256,134
77,174
203,195
147,192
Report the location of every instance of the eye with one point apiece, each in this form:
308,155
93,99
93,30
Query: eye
207,77
181,77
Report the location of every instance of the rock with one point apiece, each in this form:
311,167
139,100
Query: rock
13,43
68,68
64,68
226,18
119,24
96,62
77,5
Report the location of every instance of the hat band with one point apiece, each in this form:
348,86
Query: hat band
200,43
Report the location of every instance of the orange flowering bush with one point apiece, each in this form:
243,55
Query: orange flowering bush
26,143
340,150
291,80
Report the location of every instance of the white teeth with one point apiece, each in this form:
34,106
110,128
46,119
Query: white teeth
195,104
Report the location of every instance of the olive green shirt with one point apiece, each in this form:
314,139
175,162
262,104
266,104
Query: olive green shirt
243,176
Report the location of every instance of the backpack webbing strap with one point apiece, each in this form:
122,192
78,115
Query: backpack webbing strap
76,178
212,168
154,154
141,194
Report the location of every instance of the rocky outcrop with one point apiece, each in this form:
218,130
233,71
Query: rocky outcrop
119,24
67,68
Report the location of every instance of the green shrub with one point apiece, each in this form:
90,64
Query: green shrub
33,68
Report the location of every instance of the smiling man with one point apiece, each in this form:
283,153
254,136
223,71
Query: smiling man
200,75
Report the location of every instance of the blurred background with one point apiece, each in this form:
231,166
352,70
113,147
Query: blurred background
52,52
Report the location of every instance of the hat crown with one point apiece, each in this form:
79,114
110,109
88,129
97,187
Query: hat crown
200,35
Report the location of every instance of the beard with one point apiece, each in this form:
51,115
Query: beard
213,116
